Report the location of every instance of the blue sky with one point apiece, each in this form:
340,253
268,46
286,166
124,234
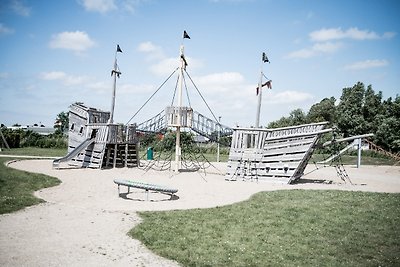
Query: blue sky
55,53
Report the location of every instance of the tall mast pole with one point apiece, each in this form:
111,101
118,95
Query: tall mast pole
178,126
259,96
115,72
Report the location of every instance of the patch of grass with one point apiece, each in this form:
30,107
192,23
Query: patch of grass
17,187
352,159
210,157
35,151
281,228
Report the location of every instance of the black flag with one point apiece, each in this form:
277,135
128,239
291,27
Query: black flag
185,35
265,58
119,49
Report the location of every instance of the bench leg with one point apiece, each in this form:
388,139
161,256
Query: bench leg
118,191
147,195
129,189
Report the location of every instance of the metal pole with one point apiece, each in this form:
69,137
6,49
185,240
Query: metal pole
259,97
359,153
219,135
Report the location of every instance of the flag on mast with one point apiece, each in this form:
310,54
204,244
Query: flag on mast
119,48
265,58
185,35
267,83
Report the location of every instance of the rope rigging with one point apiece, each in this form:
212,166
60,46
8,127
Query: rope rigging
187,91
215,118
176,86
152,96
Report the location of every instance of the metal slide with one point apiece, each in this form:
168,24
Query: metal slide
74,152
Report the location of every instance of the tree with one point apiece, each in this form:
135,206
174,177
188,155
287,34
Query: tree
387,134
349,113
296,117
62,123
169,141
322,111
372,108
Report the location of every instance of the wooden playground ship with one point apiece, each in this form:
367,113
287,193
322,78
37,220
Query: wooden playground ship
256,153
94,142
279,154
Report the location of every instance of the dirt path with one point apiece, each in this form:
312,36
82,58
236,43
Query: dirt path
84,222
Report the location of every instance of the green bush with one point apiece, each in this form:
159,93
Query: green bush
20,138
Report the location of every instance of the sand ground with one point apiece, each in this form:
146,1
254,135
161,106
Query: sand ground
84,221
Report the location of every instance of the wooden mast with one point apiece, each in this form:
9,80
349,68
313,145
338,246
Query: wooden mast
178,125
259,95
115,72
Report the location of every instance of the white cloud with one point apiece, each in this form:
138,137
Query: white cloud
288,97
354,33
4,75
218,79
100,86
389,35
53,75
148,47
5,30
165,66
367,64
19,8
326,47
68,80
152,51
77,41
316,49
101,6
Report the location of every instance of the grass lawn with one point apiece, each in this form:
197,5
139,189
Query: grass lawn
17,187
352,160
281,228
35,151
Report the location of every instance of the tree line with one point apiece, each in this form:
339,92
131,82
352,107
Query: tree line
16,138
360,110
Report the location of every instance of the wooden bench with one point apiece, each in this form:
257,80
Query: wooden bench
145,186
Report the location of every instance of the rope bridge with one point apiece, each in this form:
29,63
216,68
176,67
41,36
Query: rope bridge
194,120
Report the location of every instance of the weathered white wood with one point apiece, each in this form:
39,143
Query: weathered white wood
90,123
270,153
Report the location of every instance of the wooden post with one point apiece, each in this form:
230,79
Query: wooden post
115,155
178,127
219,136
259,96
115,72
358,141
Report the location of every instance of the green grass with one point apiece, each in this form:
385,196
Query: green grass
352,160
210,157
281,228
35,151
17,187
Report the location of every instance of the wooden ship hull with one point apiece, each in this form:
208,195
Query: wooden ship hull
95,143
272,154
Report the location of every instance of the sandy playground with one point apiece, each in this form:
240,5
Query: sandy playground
85,223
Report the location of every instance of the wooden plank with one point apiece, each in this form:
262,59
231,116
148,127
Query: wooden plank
286,150
283,158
